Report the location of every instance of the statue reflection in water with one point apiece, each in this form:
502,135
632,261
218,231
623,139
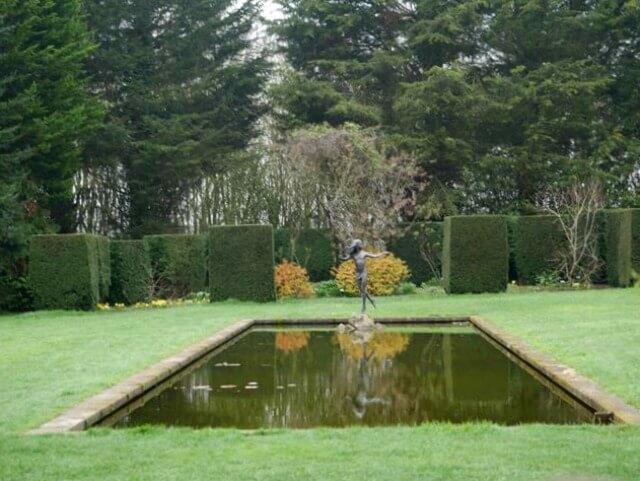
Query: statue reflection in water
369,348
362,399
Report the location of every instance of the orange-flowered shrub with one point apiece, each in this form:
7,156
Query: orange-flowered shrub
292,280
385,275
293,341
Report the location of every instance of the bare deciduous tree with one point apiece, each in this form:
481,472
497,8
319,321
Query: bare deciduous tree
575,209
355,186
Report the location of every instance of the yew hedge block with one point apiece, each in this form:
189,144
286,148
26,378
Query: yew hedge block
635,240
241,263
70,271
615,245
475,255
538,242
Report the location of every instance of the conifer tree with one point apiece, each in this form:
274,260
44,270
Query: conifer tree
48,112
183,87
352,51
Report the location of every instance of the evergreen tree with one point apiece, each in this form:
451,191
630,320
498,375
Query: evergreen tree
350,49
497,99
183,86
48,112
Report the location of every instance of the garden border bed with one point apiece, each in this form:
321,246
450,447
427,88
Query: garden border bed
95,409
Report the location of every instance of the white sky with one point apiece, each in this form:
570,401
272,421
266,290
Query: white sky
270,10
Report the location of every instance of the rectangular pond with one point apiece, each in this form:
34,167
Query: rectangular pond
309,376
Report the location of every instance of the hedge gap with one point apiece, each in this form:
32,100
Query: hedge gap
420,238
311,249
537,243
130,272
178,264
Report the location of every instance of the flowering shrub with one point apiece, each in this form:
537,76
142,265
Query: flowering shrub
385,275
292,281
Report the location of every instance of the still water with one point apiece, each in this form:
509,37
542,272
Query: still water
302,378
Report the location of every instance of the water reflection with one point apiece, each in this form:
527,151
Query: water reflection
304,378
366,348
288,342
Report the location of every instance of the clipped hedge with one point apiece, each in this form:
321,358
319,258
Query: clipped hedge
311,249
537,242
420,238
635,240
178,264
475,255
241,263
615,246
130,272
69,271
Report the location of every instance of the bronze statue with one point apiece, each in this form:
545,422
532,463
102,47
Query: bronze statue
359,255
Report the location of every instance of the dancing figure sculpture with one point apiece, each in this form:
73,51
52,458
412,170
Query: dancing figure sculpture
359,255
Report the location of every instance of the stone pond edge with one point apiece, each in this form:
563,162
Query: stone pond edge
582,388
94,409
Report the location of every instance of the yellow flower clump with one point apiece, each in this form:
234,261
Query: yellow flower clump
385,274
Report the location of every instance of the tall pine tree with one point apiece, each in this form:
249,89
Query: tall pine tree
44,89
46,115
183,86
351,52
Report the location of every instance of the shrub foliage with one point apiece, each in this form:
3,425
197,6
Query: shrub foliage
241,264
292,281
615,246
69,271
130,272
178,264
385,275
475,255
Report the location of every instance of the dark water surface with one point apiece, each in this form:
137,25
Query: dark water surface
302,378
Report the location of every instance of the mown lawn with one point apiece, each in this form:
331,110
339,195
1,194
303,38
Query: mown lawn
49,361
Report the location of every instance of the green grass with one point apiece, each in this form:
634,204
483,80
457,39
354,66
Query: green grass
50,361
